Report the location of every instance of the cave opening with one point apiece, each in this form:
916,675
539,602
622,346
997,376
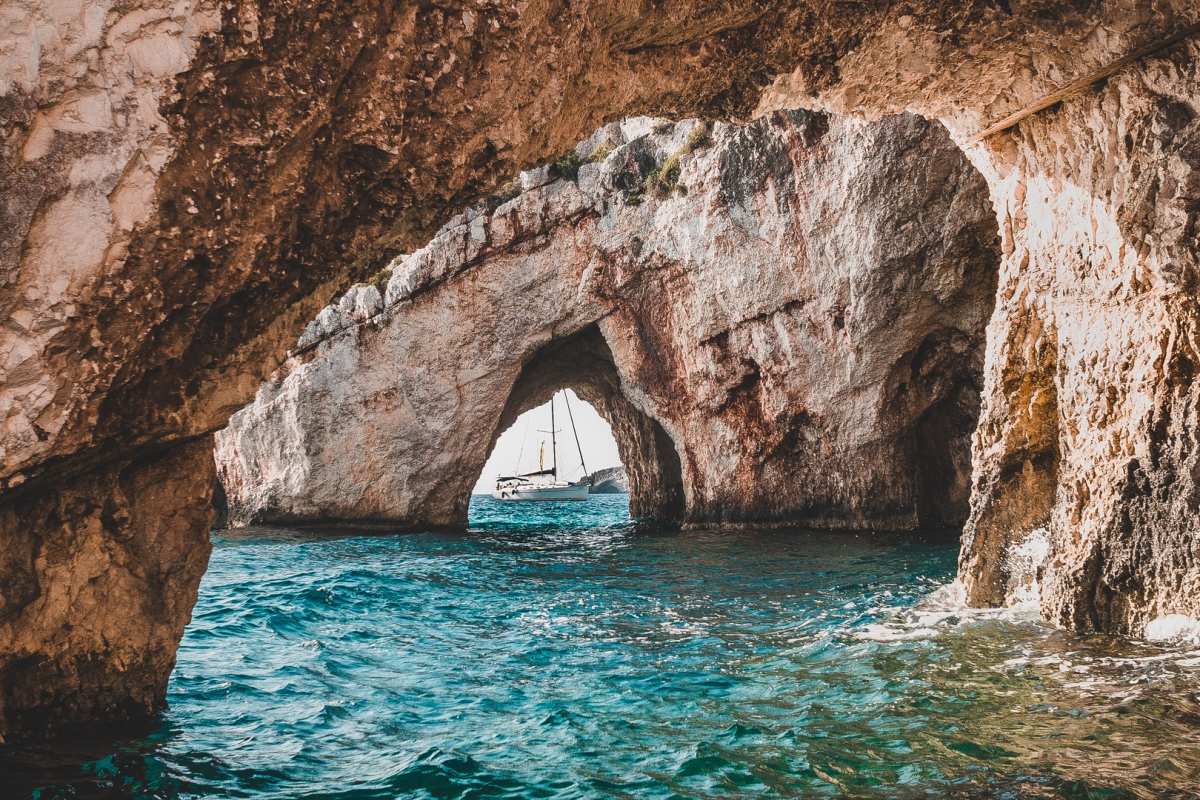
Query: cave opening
583,444
611,426
573,478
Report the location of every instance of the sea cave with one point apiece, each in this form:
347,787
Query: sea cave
889,310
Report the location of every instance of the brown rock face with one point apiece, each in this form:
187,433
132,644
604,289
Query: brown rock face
784,323
183,187
1089,423
99,582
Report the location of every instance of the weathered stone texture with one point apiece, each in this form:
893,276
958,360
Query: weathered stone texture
99,582
798,304
1086,428
84,142
1090,417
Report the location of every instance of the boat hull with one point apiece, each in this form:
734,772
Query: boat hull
543,493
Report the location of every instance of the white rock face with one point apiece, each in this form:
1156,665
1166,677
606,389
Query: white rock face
91,76
1089,419
783,322
610,480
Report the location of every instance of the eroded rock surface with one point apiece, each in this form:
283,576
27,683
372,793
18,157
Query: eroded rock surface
1089,387
98,586
1090,421
798,304
210,177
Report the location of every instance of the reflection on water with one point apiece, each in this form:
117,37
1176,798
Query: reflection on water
565,653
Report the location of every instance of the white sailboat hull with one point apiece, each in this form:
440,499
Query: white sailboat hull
544,484
573,491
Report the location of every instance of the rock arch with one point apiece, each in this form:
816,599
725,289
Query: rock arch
584,362
726,289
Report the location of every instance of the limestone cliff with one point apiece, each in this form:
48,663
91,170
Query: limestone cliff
1090,423
795,309
1087,425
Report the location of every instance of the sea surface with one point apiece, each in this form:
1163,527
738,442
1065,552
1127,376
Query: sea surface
561,651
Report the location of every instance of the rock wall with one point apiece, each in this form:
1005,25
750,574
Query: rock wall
798,305
86,138
1085,431
98,586
183,187
186,186
1091,411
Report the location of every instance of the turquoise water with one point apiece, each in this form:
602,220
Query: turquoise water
566,653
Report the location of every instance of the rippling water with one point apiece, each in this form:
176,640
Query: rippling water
565,653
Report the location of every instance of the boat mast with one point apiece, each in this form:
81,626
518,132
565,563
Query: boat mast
575,433
553,443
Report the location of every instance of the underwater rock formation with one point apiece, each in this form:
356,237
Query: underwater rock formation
185,185
798,305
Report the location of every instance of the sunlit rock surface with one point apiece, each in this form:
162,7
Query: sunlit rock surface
798,304
1090,419
1087,427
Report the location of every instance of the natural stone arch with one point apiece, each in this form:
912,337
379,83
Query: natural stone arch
584,363
223,216
1097,208
731,280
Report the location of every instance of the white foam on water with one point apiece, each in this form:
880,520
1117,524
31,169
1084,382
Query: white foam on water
946,606
1173,629
947,597
885,632
1024,562
943,609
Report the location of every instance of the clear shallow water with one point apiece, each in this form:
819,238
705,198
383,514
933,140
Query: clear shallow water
565,653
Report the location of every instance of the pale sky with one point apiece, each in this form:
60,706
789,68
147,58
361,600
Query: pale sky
595,436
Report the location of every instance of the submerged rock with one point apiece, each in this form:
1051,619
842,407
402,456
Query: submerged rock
783,322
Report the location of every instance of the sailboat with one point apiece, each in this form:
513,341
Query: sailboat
544,483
